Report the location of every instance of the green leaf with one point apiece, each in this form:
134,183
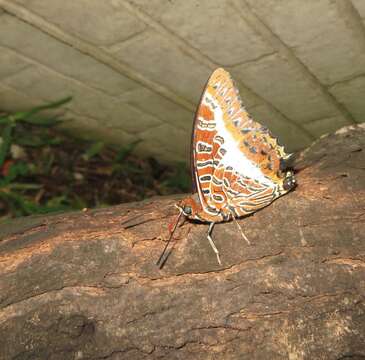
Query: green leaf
6,142
58,203
44,122
15,202
21,206
21,186
124,152
180,179
30,140
93,150
5,120
57,200
77,202
36,140
48,162
16,169
25,115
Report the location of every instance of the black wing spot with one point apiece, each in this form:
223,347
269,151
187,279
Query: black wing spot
204,148
202,164
205,178
219,139
216,181
218,197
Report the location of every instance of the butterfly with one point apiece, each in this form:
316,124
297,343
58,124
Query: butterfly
237,165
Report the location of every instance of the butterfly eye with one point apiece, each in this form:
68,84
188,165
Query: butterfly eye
187,210
289,182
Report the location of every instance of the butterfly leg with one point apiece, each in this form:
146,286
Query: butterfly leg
211,225
240,229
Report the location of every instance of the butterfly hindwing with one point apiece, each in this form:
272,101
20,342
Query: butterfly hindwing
203,150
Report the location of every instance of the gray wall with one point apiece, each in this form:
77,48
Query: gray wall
136,68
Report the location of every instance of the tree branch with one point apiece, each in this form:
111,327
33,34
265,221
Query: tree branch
85,285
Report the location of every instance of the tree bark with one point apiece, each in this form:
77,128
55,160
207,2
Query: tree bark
85,285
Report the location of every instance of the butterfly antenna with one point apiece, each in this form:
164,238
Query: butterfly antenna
162,259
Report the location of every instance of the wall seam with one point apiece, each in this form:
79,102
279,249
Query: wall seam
94,52
347,80
205,60
353,20
251,17
79,83
64,111
107,59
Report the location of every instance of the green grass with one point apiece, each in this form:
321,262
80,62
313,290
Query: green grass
53,172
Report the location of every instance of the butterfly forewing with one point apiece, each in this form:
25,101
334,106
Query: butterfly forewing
234,158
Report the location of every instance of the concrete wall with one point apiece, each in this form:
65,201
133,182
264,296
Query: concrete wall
136,68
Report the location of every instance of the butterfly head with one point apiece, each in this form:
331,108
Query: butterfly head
286,173
189,207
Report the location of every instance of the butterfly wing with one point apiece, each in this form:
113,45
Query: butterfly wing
232,155
202,152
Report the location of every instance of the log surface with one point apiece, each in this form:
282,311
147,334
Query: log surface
85,286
